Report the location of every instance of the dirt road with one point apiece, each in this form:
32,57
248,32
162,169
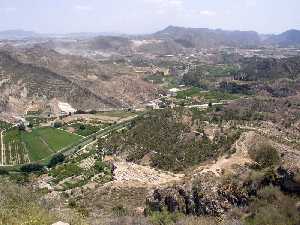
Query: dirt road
2,148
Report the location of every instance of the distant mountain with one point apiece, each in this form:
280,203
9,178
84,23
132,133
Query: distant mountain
288,38
205,38
17,34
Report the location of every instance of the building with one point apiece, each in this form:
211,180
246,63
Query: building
65,108
59,108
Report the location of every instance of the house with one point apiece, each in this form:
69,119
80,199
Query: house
173,91
20,121
155,104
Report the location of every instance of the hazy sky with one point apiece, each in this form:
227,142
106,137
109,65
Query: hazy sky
145,16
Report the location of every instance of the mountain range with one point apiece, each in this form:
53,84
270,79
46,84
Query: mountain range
185,37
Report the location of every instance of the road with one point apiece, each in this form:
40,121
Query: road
88,140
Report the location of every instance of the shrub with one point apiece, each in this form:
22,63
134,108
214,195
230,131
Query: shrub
119,210
264,154
272,207
164,218
99,166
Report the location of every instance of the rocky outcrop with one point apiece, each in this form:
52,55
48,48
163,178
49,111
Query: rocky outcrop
217,198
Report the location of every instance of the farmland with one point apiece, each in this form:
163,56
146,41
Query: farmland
205,95
83,129
23,147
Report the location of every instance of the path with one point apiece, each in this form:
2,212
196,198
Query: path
240,157
2,148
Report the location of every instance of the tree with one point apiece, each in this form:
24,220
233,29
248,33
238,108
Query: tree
32,167
56,159
57,124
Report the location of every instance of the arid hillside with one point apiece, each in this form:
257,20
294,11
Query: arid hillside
35,73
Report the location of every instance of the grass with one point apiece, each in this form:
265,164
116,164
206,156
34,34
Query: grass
23,206
56,139
14,148
38,149
38,144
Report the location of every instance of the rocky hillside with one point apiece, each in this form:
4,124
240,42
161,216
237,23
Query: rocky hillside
288,38
84,83
268,68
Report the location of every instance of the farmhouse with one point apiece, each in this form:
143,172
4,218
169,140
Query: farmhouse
20,121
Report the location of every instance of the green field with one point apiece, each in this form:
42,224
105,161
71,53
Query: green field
22,147
209,95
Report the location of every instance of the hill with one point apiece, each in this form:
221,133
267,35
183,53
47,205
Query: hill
285,39
43,73
17,34
206,38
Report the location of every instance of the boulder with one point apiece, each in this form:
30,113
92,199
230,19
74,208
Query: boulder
60,223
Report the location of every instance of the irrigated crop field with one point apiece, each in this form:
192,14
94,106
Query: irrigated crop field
23,147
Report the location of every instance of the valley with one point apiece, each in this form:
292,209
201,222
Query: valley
182,126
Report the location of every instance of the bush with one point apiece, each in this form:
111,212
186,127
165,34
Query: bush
272,207
56,159
33,167
264,154
119,211
3,172
99,166
164,218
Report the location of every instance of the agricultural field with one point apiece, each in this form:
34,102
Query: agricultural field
23,147
83,129
214,96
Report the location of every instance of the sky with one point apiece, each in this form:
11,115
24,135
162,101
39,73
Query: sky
147,16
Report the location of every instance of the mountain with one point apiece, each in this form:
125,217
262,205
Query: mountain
17,34
41,73
206,38
285,39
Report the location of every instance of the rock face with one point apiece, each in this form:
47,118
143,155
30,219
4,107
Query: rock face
213,198
195,202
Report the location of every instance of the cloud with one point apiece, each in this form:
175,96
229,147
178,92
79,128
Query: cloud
207,13
83,7
8,9
165,6
250,3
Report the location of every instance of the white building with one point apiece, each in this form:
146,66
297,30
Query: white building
65,108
